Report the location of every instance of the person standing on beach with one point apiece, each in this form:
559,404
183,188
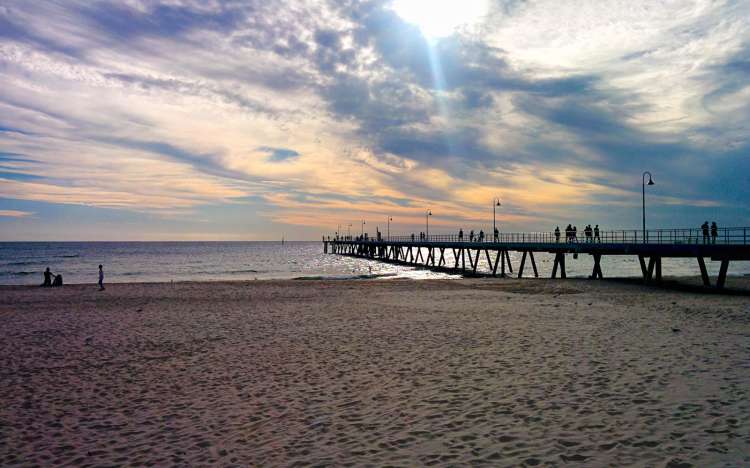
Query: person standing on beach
101,278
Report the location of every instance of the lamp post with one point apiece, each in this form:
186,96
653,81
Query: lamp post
495,202
643,186
389,227
338,231
363,228
427,221
349,231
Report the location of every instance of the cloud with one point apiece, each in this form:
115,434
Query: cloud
278,154
152,105
15,214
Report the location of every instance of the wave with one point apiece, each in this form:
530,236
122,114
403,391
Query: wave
68,256
21,263
347,277
22,273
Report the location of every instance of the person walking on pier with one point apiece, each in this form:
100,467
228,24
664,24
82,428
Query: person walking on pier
460,235
497,234
557,233
704,227
568,233
481,235
714,232
412,237
575,234
471,236
596,234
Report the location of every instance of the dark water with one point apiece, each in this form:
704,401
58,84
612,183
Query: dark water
24,262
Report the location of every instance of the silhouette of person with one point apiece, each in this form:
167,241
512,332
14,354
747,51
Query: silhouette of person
58,281
596,234
47,278
704,227
101,278
412,237
714,232
471,236
575,234
557,233
481,235
461,235
497,234
569,233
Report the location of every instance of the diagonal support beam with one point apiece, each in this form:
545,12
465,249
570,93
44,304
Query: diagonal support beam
523,262
722,274
510,266
597,271
704,272
533,264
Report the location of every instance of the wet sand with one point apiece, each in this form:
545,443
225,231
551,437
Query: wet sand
406,373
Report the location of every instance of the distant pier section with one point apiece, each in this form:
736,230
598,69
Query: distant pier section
455,254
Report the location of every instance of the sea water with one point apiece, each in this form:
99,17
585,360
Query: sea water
24,262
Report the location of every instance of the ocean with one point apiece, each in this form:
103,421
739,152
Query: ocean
22,263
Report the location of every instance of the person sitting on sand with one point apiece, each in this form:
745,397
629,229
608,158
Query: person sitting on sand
47,278
58,281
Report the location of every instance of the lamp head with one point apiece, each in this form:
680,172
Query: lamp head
498,203
429,212
650,182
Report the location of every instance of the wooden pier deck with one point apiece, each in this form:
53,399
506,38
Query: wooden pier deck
730,244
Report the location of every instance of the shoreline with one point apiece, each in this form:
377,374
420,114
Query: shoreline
735,284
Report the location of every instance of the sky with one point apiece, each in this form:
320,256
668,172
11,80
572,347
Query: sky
252,120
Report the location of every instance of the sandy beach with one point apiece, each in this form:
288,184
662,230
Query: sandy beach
402,373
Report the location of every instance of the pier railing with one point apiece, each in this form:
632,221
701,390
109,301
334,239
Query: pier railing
724,236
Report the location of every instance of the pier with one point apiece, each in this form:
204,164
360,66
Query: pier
452,254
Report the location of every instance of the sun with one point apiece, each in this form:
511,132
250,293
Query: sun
440,18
